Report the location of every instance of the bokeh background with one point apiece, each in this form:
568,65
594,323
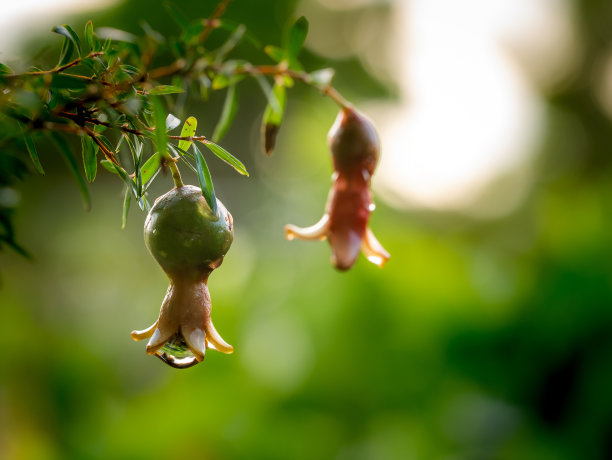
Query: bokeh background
486,336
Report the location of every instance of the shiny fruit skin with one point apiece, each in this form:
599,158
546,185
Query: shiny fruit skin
183,234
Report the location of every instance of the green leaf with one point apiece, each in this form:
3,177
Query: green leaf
230,44
220,81
297,36
5,70
150,167
227,115
277,54
227,157
109,166
161,136
176,15
31,147
90,149
75,38
67,51
273,117
165,89
71,35
205,180
64,150
89,35
127,199
189,130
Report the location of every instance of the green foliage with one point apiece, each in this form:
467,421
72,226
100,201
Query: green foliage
105,90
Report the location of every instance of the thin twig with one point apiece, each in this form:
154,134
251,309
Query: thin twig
213,20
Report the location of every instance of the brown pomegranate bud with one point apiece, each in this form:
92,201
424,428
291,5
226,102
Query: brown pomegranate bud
354,148
189,241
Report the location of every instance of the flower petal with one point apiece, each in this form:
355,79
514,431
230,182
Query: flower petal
373,250
157,340
196,341
213,338
145,333
345,248
317,231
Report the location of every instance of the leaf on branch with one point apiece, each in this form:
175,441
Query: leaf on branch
67,51
64,150
273,117
89,36
109,166
205,180
72,36
159,118
228,114
127,199
189,130
5,70
90,165
275,53
165,89
227,157
176,15
31,147
230,44
150,167
295,42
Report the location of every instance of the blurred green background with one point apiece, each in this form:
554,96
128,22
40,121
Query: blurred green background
480,339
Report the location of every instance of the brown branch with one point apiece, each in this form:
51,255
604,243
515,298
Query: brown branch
213,20
77,61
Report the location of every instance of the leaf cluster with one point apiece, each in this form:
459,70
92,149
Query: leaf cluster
109,89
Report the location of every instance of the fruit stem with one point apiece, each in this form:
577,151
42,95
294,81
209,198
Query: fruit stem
176,175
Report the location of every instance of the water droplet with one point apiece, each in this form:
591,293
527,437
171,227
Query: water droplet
371,207
176,353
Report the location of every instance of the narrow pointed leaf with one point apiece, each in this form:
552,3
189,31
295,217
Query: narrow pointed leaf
67,51
150,167
31,147
205,180
64,150
90,165
109,166
70,34
227,157
161,136
228,114
297,36
275,53
127,199
189,130
89,35
5,70
273,118
165,89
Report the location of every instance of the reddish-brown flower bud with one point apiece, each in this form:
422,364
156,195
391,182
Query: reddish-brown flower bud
354,147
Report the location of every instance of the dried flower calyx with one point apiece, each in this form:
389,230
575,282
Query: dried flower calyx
189,241
354,147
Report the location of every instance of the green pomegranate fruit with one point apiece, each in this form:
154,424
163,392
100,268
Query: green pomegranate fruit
188,241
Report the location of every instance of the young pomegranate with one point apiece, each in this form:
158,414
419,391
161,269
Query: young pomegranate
354,148
189,241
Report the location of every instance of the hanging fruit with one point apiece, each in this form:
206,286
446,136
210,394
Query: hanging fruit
189,241
354,147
